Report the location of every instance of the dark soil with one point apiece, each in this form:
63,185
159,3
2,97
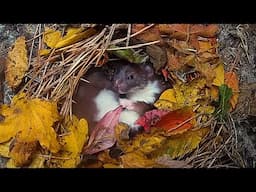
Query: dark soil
234,40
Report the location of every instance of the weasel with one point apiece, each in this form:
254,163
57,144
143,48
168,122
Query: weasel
134,86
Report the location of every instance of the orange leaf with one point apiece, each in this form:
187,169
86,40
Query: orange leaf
151,34
214,92
173,61
206,46
177,121
194,42
177,31
231,81
204,30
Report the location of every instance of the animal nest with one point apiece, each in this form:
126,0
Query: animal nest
55,76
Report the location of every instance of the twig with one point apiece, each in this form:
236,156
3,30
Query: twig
133,46
133,35
184,122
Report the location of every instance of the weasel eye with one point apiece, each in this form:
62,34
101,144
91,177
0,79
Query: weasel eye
130,77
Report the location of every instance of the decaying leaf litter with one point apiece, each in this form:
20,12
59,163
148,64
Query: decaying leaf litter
212,144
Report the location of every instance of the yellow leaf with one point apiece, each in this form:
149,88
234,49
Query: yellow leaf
74,35
136,160
10,164
16,63
206,71
73,143
168,95
51,37
165,105
70,160
37,162
77,136
214,93
206,109
4,149
219,78
179,145
185,95
32,119
144,143
44,52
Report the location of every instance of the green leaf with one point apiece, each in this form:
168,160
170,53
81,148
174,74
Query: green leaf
225,93
128,54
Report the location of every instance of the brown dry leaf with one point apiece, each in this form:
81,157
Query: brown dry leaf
181,144
173,62
204,57
2,78
194,42
206,46
72,143
219,78
32,119
16,63
204,30
167,161
231,80
22,151
37,162
182,31
105,158
177,31
181,46
122,132
151,34
157,56
110,165
178,121
136,160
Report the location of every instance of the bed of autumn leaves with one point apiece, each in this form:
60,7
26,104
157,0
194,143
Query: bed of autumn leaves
186,55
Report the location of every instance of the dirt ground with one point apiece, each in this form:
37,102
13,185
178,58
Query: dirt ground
237,48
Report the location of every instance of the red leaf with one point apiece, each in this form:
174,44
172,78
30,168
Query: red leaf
103,135
177,121
165,74
150,118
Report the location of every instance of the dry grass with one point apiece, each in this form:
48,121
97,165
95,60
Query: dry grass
219,148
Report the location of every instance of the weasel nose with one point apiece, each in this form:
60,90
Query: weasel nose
117,83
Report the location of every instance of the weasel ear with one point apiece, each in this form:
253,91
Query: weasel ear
149,70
